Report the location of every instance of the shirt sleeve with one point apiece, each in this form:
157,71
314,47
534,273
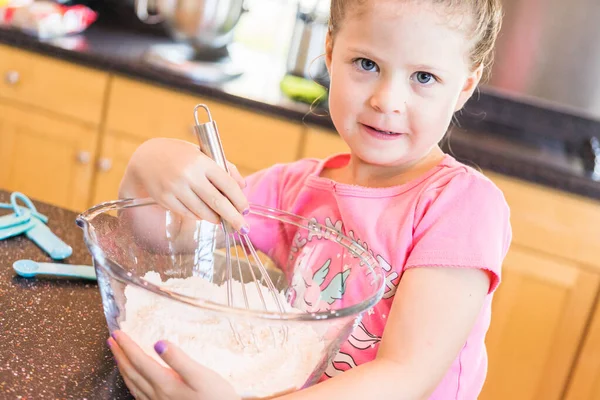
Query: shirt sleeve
263,187
462,224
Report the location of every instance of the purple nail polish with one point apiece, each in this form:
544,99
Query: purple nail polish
244,230
246,211
114,335
108,343
160,347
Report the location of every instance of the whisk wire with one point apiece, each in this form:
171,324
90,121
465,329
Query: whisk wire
248,247
235,332
264,274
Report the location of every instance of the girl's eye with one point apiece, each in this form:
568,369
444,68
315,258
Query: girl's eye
424,78
365,64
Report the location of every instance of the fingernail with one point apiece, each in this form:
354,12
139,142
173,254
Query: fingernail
114,335
244,230
246,211
108,343
160,347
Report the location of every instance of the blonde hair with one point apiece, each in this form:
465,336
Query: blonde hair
487,21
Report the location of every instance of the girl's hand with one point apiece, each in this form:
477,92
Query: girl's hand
148,380
178,176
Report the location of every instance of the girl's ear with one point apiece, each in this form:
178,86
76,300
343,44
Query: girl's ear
328,51
469,87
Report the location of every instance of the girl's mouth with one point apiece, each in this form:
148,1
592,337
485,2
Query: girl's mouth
381,133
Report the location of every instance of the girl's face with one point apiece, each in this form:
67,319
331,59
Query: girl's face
398,74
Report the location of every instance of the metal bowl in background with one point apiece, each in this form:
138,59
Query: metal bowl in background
204,24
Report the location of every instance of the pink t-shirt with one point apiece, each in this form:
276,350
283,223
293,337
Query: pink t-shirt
452,216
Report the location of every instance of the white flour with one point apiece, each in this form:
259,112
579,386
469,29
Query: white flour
258,369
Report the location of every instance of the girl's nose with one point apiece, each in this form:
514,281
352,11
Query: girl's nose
389,99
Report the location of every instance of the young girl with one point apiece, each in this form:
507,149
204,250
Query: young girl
399,71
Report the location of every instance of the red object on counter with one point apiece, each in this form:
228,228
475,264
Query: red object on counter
46,19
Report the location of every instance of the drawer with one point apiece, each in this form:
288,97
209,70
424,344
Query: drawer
116,150
46,157
552,221
321,143
53,85
251,140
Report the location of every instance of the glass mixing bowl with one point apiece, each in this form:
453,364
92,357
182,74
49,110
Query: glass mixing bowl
163,276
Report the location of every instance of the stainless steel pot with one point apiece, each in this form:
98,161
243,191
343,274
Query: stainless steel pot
307,48
205,24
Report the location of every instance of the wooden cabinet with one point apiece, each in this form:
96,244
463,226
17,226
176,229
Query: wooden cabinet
539,317
139,111
553,222
251,140
54,111
50,112
551,281
585,384
45,83
115,152
46,157
321,143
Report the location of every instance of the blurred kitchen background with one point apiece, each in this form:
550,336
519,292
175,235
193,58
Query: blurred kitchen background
86,82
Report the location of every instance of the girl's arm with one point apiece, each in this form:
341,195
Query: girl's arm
432,315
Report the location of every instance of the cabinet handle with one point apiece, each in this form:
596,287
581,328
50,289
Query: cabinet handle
12,77
104,164
84,157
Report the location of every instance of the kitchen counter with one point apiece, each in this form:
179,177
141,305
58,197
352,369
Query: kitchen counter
546,151
53,330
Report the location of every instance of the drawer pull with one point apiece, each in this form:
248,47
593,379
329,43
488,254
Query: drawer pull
12,77
104,164
84,157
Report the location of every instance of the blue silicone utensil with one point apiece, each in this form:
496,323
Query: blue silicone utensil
30,268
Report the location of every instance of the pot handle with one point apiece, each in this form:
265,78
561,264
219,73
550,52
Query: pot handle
141,10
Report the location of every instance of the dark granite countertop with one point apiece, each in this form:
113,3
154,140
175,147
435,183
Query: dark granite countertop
513,138
53,330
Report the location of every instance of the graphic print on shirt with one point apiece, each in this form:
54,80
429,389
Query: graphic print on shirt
360,339
309,286
391,277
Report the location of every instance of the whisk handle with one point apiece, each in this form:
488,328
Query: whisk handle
209,139
210,144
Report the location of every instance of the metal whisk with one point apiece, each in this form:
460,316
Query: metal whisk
210,144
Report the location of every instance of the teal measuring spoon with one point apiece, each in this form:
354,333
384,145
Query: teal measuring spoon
30,268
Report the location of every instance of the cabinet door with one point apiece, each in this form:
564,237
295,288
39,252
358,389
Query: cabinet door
46,157
321,143
116,150
585,384
45,83
251,140
554,222
538,319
